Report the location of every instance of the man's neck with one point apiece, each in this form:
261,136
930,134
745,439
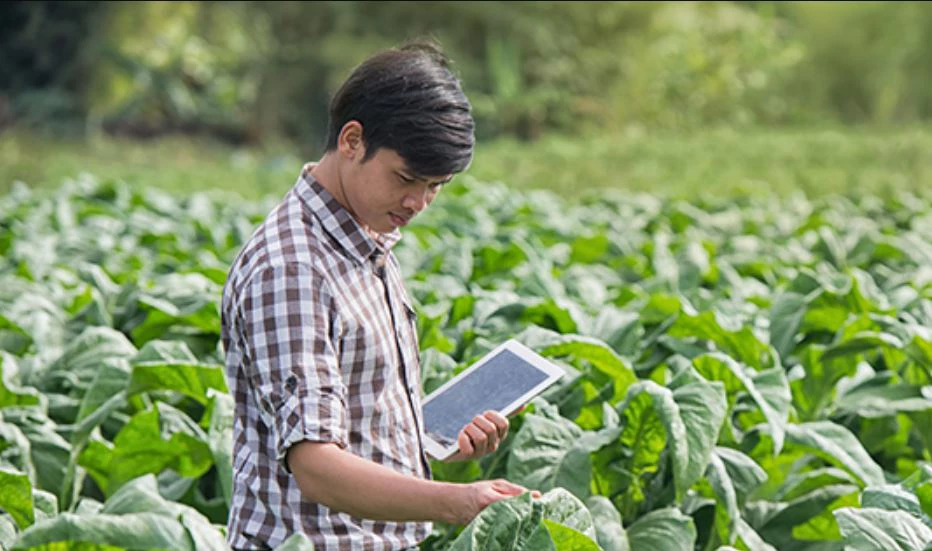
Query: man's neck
327,173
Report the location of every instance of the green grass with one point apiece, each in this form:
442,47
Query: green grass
713,163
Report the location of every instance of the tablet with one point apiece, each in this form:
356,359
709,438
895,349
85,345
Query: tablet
504,380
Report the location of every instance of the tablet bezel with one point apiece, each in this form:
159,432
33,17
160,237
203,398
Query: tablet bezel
552,371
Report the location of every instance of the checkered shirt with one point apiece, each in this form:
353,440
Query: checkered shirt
321,345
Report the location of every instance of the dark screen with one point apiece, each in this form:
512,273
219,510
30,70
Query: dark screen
499,382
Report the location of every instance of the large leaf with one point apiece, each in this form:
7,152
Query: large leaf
608,526
560,506
569,539
525,524
219,416
871,529
10,393
140,449
513,524
81,359
596,352
741,344
876,397
838,446
192,380
663,530
13,338
702,408
651,423
745,475
16,497
112,378
786,316
546,454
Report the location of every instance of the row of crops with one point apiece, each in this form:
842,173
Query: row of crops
740,375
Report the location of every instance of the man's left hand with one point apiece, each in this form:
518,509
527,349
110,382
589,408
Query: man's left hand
482,436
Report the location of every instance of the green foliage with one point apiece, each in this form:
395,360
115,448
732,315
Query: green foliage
747,374
253,71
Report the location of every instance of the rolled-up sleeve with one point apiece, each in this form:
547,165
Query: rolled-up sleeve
295,373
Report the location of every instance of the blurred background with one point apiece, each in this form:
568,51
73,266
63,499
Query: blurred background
674,98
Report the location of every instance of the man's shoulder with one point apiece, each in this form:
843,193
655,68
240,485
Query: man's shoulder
288,237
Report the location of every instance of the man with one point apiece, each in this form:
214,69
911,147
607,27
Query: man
319,334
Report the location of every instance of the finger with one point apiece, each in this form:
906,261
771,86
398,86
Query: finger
491,430
501,423
508,488
478,438
465,443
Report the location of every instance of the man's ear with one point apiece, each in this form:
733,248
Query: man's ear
350,142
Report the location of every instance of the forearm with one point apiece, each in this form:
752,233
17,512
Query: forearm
347,483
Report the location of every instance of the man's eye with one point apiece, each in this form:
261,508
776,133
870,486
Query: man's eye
437,185
405,179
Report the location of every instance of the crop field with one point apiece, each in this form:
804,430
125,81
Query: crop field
740,374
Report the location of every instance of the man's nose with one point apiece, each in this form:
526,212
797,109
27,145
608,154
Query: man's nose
415,201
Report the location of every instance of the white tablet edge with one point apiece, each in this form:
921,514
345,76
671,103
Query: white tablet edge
554,373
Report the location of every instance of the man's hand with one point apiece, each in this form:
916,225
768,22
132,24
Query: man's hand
482,436
484,493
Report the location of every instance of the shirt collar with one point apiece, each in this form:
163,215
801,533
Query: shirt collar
340,224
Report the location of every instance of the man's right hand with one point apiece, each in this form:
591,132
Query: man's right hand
479,495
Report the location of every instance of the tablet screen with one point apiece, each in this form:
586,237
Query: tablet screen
494,385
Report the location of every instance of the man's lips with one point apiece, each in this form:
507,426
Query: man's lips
399,220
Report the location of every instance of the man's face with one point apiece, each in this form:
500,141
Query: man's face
383,194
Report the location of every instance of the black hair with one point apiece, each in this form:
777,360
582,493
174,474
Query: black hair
408,100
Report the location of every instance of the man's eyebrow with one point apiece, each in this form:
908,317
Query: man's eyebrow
417,177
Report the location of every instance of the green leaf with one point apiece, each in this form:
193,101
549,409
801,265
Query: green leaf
560,506
50,453
861,343
599,354
750,539
133,531
164,352
740,344
663,530
10,394
15,450
192,380
8,532
81,359
16,497
726,499
702,409
139,449
112,378
220,438
513,524
838,446
652,423
545,454
744,474
875,397
891,498
13,338
296,542
871,529
607,520
568,539
779,528
786,316
800,484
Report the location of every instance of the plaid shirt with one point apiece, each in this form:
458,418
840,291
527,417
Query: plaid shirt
320,345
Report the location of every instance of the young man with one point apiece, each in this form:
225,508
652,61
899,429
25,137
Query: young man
320,337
